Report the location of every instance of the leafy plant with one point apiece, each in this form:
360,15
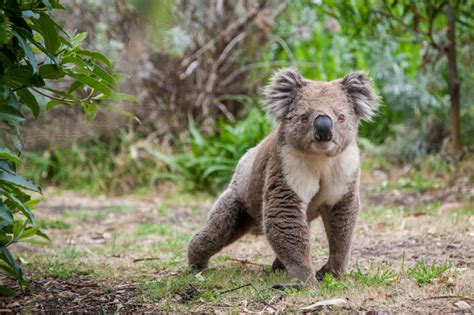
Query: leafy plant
94,168
424,273
209,160
34,52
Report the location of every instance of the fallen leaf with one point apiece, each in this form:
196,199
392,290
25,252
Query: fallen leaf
332,302
199,276
463,306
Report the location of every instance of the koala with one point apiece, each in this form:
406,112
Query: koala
308,167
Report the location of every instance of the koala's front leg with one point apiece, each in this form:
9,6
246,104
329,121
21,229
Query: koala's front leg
288,232
339,222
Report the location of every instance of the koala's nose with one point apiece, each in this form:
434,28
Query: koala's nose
323,128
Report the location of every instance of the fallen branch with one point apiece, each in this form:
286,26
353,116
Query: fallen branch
256,290
245,262
146,259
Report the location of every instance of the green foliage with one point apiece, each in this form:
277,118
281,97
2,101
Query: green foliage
424,273
94,168
211,159
380,277
34,51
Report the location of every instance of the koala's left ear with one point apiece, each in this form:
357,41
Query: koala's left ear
359,88
281,91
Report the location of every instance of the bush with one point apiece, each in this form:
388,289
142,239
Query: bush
97,167
208,161
35,51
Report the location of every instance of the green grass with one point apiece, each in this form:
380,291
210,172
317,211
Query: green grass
382,276
53,224
85,215
63,264
95,214
424,273
150,228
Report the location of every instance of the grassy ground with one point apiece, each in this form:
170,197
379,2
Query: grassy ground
413,251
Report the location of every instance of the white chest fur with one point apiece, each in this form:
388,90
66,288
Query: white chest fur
320,177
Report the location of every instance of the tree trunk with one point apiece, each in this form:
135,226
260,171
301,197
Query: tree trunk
453,83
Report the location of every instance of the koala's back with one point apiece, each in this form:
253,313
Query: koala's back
249,177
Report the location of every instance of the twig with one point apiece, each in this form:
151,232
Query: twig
146,259
449,297
246,262
235,289
256,290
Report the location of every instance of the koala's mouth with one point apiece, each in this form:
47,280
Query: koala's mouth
323,146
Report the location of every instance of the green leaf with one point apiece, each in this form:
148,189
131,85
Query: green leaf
5,213
90,109
51,71
49,32
104,75
28,52
9,155
7,257
128,97
18,181
97,56
96,85
23,208
28,99
77,61
74,86
11,117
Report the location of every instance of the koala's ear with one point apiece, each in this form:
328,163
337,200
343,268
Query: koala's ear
281,91
359,88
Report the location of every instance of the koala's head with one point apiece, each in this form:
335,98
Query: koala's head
320,117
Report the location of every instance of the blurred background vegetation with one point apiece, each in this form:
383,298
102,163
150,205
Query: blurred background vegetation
197,68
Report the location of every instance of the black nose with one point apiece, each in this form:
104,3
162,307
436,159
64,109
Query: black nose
322,128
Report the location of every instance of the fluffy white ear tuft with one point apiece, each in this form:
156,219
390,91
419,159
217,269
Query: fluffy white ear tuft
358,86
281,91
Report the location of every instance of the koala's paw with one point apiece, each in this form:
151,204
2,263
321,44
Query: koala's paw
326,270
198,266
320,274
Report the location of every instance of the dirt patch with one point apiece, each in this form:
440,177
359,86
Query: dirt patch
55,296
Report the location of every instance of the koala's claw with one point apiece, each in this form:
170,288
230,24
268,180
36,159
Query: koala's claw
320,275
198,266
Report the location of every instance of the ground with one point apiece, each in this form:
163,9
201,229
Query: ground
413,251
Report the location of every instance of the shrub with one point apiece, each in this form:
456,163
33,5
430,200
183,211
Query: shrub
208,161
35,51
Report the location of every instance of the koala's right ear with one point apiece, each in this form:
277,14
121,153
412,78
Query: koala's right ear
281,91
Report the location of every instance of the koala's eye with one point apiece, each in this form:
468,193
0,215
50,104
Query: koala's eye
341,118
304,118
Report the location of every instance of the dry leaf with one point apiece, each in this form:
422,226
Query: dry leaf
332,302
463,306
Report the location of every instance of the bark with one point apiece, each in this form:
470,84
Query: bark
453,83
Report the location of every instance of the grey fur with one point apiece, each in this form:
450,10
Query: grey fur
359,86
290,179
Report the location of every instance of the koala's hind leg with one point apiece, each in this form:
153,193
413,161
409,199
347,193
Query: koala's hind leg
339,223
226,222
